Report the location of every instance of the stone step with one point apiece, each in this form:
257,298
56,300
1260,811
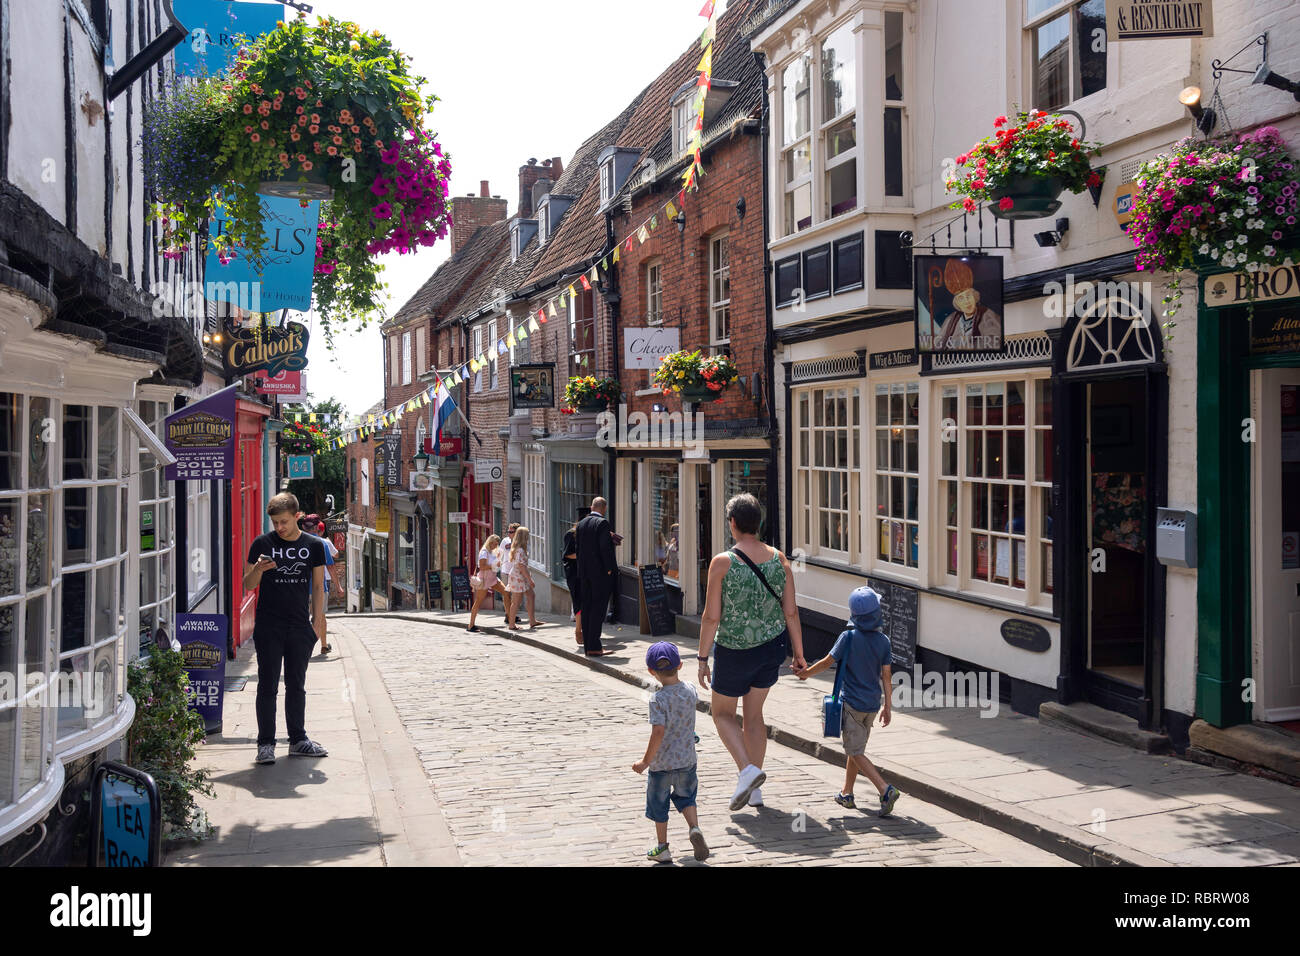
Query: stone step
1254,745
1096,721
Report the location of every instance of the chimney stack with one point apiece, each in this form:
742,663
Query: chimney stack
550,169
469,213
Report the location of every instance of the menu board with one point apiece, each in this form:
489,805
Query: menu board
899,613
654,592
460,589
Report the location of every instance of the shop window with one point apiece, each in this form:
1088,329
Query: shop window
406,550
535,508
827,467
995,487
575,486
897,428
665,517
157,514
1068,44
748,477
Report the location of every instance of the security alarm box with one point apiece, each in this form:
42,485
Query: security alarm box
1176,537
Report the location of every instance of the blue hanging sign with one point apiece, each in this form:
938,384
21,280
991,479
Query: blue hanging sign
203,640
281,277
300,466
125,817
213,26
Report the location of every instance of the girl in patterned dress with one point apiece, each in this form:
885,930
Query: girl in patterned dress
520,580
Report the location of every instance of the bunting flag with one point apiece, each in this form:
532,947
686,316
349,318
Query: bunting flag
551,309
642,234
604,264
572,293
593,275
616,255
533,326
586,286
510,339
501,347
521,333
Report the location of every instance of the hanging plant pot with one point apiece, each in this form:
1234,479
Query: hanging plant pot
299,184
593,407
1032,197
698,393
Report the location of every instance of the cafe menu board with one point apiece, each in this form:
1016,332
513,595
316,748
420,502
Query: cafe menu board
899,609
654,593
460,589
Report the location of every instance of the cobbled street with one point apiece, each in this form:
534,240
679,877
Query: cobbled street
530,757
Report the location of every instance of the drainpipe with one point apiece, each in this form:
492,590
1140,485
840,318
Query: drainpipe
612,300
774,438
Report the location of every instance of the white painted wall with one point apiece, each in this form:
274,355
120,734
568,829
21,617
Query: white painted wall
36,139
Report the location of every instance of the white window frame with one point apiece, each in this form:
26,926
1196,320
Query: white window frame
896,486
607,181
162,559
790,144
1036,492
825,127
478,350
543,220
1031,27
406,358
654,292
575,369
900,105
719,274
683,121
534,515
492,353
812,508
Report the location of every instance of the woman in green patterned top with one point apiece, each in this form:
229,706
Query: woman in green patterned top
751,626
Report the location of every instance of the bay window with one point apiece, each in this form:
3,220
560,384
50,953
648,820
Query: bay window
796,157
826,471
995,487
839,126
897,466
157,512
535,508
892,160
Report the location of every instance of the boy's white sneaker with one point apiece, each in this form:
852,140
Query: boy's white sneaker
697,842
756,798
750,779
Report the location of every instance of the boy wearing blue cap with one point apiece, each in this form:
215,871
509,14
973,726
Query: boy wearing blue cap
670,754
864,653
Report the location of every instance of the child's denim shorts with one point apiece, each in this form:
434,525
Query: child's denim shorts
661,785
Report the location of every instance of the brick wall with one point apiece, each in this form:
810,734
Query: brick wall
734,170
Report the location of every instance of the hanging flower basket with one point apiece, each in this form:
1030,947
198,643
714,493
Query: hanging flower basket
589,395
1022,169
324,111
697,378
1211,204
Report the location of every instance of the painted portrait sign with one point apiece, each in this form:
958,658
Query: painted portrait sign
958,304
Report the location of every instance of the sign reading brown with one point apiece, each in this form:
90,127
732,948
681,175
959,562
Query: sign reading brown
1158,19
1263,285
271,350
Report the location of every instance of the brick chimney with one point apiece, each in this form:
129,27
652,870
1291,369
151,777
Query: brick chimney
550,169
470,212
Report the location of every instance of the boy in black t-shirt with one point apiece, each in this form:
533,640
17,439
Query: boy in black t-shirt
288,569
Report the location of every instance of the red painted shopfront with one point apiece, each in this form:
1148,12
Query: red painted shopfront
247,509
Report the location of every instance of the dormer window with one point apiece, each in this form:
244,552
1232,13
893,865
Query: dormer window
607,181
683,123
521,232
543,220
616,164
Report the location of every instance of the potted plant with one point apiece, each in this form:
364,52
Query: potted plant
325,111
300,439
1023,167
694,376
589,394
1214,203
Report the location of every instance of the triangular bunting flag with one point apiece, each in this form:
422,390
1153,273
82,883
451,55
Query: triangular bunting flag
501,346
521,333
654,223
642,235
510,339
533,324
671,211
616,255
593,275
628,245
551,308
707,11
312,418
604,264
572,294
586,286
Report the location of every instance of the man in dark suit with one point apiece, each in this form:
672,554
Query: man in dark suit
596,569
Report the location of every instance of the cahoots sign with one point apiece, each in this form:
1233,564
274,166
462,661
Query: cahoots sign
266,349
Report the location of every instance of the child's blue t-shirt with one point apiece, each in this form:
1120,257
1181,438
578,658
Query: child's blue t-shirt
862,654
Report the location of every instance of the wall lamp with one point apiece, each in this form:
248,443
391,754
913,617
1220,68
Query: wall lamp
1277,81
1053,237
1205,118
740,210
680,219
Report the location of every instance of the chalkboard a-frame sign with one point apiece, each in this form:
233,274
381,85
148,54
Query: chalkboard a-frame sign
654,594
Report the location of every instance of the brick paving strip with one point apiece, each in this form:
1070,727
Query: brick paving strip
530,758
1087,800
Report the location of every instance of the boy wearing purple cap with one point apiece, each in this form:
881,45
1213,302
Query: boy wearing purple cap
670,755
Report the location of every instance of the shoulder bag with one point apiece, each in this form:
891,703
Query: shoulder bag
832,711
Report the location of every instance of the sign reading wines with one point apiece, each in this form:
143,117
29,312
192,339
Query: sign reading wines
269,350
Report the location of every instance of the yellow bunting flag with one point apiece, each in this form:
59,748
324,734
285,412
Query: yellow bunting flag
312,418
616,256
521,333
510,340
572,293
533,324
671,210
642,234
372,419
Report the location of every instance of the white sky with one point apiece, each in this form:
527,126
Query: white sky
516,80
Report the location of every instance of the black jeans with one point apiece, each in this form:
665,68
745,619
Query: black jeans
595,600
293,646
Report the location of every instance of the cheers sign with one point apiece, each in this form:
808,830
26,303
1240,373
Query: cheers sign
270,350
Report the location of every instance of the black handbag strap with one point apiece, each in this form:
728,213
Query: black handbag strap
754,567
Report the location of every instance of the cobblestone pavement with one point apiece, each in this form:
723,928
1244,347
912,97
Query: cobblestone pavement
530,757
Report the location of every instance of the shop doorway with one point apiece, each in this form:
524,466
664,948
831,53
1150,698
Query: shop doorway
1117,519
704,514
1276,546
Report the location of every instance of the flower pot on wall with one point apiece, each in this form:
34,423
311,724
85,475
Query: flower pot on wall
698,393
1032,197
594,407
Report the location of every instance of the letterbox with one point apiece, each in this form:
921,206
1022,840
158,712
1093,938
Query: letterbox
1176,537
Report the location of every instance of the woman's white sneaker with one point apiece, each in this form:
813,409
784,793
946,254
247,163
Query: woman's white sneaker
750,779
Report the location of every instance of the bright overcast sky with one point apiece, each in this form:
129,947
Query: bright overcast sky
516,80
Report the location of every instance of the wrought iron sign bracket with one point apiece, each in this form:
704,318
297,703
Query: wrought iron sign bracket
965,245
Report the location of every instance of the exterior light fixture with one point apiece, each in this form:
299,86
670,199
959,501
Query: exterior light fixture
1205,118
421,461
1053,237
1277,81
740,210
680,219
